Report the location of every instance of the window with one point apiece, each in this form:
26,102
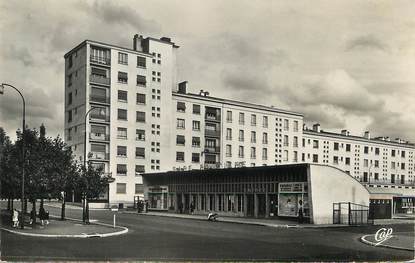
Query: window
253,153
366,149
70,80
253,137
70,98
122,58
140,152
122,151
195,141
122,133
122,95
315,144
376,163
121,188
265,121
139,169
122,77
242,118
180,140
335,160
70,62
295,157
348,148
69,116
228,150
295,141
196,125
393,165
141,80
122,114
140,116
139,189
253,119
295,126
315,158
286,125
285,156
402,179
141,62
392,178
264,153
229,116
403,154
195,157
228,134
377,151
402,166
180,124
121,169
241,135
286,143
140,135
181,107
180,156
264,138
241,151
196,109
365,163
393,153
336,146
141,98
347,161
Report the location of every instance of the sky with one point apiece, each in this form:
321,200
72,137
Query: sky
345,64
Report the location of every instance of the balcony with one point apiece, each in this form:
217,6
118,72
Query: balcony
212,133
99,156
99,137
212,149
100,60
99,79
99,99
99,118
212,117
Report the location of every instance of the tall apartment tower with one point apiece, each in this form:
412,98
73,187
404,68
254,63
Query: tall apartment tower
127,94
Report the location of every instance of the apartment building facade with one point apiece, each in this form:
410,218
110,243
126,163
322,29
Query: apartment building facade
137,118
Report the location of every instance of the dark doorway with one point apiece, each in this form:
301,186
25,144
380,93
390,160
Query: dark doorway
380,209
261,205
186,203
273,205
250,204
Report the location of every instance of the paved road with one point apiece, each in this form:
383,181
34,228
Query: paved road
159,238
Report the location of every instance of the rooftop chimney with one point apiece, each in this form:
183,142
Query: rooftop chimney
137,43
182,87
345,132
367,135
316,127
201,92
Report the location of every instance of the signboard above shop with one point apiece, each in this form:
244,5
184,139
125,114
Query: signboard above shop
292,187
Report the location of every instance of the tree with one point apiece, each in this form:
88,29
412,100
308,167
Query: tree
92,183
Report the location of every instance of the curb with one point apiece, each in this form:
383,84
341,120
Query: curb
367,242
123,231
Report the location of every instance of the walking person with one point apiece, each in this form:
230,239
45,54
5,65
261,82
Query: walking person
42,215
15,218
300,212
32,216
192,208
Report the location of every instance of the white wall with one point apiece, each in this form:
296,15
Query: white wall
330,185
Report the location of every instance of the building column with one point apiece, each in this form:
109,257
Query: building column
266,205
245,197
256,205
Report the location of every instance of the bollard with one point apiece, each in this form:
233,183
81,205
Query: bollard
114,220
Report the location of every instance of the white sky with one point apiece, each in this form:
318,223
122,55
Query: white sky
345,64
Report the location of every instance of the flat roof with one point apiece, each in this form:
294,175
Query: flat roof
234,171
358,138
235,103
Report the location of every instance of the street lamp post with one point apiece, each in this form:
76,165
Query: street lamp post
23,147
85,219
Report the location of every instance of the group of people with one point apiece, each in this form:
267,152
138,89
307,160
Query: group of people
43,216
191,208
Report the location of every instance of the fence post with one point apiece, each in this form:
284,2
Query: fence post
350,212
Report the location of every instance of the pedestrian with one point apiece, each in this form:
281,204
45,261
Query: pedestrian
15,218
300,212
147,205
32,216
192,207
47,217
42,215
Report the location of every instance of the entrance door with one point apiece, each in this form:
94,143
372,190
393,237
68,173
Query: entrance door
250,204
261,205
380,209
273,205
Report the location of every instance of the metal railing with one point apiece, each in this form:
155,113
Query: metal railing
99,117
99,79
212,133
212,117
99,136
101,99
100,156
351,214
212,149
100,60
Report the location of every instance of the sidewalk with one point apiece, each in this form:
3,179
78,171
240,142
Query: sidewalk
402,241
67,228
277,223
